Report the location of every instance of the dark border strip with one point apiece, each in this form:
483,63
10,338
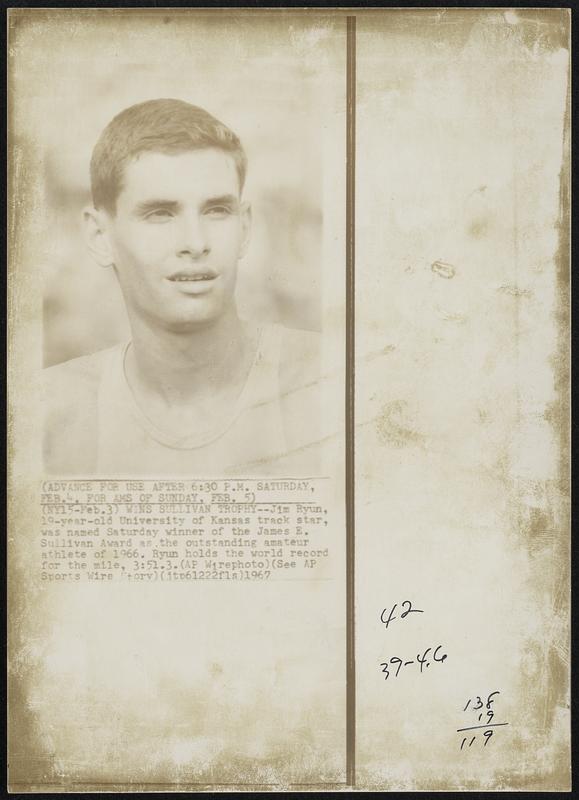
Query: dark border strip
350,385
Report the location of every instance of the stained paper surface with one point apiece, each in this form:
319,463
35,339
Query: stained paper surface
454,603
234,672
462,438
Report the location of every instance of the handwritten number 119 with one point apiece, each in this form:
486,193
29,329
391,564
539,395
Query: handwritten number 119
486,734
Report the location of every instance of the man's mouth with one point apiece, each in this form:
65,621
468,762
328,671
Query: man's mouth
186,277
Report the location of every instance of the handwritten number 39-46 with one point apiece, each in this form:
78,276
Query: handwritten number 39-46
395,664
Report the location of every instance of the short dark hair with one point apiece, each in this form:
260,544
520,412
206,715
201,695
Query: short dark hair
161,126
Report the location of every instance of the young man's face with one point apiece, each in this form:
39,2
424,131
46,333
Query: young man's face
177,235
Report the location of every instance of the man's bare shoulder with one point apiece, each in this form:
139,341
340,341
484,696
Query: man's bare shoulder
74,383
300,400
71,392
300,358
82,369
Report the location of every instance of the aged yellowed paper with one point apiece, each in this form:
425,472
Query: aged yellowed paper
177,378
288,399
462,474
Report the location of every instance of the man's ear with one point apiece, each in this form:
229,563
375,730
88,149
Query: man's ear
245,228
97,237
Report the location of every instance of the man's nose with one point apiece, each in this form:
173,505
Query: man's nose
192,236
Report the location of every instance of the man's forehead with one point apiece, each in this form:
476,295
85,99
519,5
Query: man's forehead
192,171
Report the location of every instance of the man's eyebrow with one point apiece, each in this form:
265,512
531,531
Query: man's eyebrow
221,200
151,205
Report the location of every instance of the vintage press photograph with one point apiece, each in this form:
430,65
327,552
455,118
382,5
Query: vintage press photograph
178,382
182,298
288,399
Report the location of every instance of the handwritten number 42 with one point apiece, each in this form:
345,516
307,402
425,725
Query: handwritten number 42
409,610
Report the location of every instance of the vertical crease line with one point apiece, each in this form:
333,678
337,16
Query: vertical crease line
350,385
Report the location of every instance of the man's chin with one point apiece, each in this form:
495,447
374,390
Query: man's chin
194,321
186,317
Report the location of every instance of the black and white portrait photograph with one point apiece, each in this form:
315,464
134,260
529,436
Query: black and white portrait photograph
183,290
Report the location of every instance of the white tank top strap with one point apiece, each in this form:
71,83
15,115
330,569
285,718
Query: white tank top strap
123,432
263,382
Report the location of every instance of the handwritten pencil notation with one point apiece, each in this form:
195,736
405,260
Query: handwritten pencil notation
480,715
388,615
423,660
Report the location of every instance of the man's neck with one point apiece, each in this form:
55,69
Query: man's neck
179,368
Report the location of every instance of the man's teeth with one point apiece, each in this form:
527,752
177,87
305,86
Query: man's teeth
195,278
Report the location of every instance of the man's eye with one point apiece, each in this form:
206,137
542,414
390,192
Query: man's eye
218,211
159,215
